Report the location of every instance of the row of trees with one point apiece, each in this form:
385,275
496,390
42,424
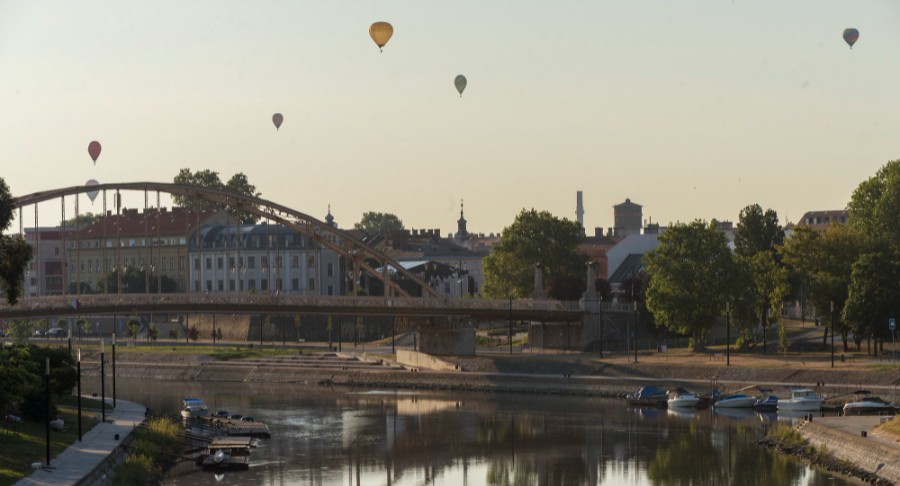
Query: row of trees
22,368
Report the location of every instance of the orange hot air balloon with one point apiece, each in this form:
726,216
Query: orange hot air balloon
381,33
94,150
277,119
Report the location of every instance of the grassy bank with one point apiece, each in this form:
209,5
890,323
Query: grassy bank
23,443
150,453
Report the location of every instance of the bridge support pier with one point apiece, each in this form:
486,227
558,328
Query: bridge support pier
447,342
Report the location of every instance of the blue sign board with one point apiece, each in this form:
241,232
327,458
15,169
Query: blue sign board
892,323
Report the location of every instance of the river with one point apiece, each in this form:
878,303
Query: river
387,437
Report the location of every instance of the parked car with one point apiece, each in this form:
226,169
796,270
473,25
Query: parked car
38,333
57,332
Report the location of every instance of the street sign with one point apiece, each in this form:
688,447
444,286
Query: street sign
892,324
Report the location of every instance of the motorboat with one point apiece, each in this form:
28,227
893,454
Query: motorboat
870,406
222,414
737,400
193,408
681,398
802,400
768,404
648,396
226,453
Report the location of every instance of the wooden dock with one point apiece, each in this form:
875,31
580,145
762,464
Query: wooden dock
233,427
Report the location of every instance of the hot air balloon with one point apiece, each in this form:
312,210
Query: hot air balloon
850,36
381,33
93,193
94,150
460,83
277,118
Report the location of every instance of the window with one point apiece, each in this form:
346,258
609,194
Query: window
231,285
295,261
278,284
312,283
82,265
197,263
209,285
90,266
310,261
220,263
331,290
163,266
264,261
231,263
208,263
330,269
251,284
56,250
278,261
181,263
295,284
264,284
196,286
251,262
221,285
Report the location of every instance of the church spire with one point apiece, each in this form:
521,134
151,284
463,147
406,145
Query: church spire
329,219
461,232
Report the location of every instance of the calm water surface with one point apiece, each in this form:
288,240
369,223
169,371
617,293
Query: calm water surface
386,437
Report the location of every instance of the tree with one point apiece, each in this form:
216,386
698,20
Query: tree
193,333
875,205
872,296
15,252
153,332
690,277
21,330
173,333
17,375
134,326
823,261
761,286
80,221
534,237
378,223
757,231
210,180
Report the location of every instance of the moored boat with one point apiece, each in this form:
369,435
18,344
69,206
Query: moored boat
737,400
802,400
193,408
681,398
648,396
768,404
226,453
870,406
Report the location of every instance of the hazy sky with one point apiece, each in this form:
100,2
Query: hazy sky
694,108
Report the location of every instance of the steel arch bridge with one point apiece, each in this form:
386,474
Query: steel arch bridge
395,301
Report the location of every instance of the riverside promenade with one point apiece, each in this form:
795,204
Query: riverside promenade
81,460
875,453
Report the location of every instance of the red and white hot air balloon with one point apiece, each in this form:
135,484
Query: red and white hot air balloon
94,150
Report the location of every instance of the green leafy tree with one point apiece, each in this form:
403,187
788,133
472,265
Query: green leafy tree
375,223
690,279
534,237
872,295
15,252
760,287
17,375
21,330
134,325
193,333
758,231
173,333
823,261
80,221
153,332
210,179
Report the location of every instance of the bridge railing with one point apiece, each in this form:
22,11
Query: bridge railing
126,301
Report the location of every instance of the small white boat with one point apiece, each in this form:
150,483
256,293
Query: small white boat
193,408
682,398
738,400
802,400
870,406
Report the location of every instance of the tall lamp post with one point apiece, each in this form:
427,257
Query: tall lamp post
727,334
102,383
832,334
47,404
510,324
635,330
114,368
79,394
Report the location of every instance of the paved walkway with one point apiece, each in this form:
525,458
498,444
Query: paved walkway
81,458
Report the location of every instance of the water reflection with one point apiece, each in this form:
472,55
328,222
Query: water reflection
324,436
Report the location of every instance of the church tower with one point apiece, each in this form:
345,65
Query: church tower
461,232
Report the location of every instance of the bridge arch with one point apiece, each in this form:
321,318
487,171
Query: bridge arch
343,243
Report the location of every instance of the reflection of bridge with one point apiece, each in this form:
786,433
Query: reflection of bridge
95,304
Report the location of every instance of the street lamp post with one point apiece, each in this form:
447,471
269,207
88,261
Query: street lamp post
510,324
47,404
635,330
832,334
102,383
114,368
727,334
601,326
79,394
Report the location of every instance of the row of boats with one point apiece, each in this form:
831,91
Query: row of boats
801,400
